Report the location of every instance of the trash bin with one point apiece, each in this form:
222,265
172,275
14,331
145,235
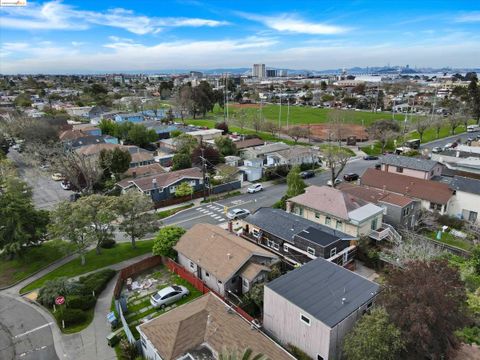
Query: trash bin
112,339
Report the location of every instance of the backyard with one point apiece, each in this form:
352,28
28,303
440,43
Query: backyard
118,253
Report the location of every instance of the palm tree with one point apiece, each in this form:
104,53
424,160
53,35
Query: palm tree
246,355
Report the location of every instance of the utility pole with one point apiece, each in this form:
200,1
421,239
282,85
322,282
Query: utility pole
204,176
288,110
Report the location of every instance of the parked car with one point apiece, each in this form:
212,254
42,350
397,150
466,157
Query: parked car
236,214
350,177
337,181
255,188
370,157
57,177
307,174
448,146
437,149
66,185
169,295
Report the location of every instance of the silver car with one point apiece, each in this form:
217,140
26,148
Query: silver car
168,295
235,214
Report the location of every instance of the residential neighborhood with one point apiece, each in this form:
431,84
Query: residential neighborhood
203,181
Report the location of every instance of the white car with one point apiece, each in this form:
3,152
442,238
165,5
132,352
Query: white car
235,214
168,295
254,188
337,181
66,185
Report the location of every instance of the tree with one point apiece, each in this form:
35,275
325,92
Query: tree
298,132
335,158
209,153
183,100
425,300
295,183
100,212
257,121
411,248
185,143
241,119
23,100
383,131
70,222
256,295
141,136
454,120
271,127
225,146
107,127
166,239
474,99
421,125
438,123
129,351
203,99
184,189
115,161
374,337
60,286
181,161
136,221
21,224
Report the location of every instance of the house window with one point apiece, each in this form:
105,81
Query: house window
285,248
399,169
300,211
317,215
144,342
273,245
435,206
333,252
276,246
172,189
374,224
207,275
310,250
305,319
339,225
328,220
245,283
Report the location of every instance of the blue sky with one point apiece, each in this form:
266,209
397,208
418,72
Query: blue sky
144,35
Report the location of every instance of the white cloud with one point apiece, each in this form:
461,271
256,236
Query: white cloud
294,24
473,16
55,15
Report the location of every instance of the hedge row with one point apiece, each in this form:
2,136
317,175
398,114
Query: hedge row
97,281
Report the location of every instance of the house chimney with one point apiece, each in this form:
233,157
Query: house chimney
134,175
154,183
229,256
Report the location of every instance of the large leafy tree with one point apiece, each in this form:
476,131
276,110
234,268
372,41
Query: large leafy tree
426,301
374,337
166,239
20,223
474,99
184,189
181,161
115,161
141,136
225,146
295,184
136,220
185,143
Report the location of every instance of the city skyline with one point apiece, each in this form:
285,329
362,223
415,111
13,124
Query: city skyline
120,36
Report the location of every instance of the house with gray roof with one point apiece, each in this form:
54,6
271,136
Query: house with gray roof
315,305
411,166
298,240
466,202
261,152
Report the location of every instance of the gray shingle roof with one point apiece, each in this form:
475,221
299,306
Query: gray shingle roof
286,225
466,184
318,288
409,162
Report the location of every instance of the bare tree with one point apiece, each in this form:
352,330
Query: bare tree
271,127
336,125
421,125
298,132
241,119
383,131
184,101
438,122
335,158
257,122
454,121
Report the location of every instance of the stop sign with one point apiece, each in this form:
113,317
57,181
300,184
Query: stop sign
59,300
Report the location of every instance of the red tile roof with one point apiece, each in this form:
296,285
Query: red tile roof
375,195
406,185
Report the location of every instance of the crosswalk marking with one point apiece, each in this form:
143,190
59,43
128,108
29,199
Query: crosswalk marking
216,216
221,219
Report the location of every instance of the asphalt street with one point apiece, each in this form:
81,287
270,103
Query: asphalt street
214,212
450,139
24,333
46,192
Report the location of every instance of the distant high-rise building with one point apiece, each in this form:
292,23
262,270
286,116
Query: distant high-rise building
272,73
196,74
258,70
282,73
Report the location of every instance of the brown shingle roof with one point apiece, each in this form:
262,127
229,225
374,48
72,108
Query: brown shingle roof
406,185
251,270
96,148
329,201
72,135
207,320
144,170
217,251
249,143
146,183
375,195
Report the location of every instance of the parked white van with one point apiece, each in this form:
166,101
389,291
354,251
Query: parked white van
473,128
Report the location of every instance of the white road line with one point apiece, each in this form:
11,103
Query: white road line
33,330
199,209
221,219
204,211
216,216
209,205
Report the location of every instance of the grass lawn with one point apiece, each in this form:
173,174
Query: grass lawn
449,239
167,213
32,260
120,252
78,327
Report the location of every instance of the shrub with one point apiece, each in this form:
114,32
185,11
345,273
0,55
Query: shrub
469,335
451,221
299,354
97,281
71,316
275,172
83,302
222,126
108,244
56,287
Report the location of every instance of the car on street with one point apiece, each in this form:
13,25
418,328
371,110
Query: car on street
448,146
351,177
254,188
437,149
236,214
337,181
307,174
57,177
66,185
370,157
168,295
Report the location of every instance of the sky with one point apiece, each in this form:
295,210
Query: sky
92,36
